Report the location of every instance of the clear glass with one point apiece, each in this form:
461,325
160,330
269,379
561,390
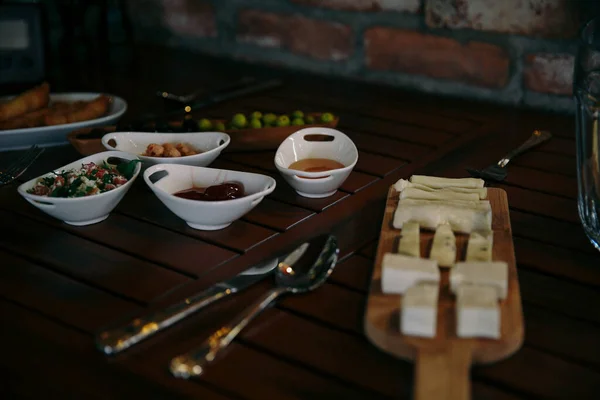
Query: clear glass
586,89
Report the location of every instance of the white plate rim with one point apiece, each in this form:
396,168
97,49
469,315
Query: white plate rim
74,96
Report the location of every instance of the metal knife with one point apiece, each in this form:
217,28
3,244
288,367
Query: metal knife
209,100
245,81
116,340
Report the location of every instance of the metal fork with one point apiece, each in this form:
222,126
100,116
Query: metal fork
497,172
17,168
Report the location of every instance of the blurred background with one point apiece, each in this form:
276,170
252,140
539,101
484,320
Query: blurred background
515,52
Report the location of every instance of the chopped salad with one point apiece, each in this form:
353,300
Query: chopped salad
88,180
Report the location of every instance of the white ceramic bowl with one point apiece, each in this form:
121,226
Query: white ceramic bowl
296,147
81,210
210,143
206,215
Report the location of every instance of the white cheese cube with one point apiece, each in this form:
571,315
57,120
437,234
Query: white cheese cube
443,248
400,272
493,273
410,244
479,247
477,312
419,310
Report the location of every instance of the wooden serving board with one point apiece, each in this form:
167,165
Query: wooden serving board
443,363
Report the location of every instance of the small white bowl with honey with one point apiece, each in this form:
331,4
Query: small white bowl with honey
316,161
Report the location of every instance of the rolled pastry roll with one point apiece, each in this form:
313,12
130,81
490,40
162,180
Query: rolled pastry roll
439,183
403,184
442,194
462,216
31,100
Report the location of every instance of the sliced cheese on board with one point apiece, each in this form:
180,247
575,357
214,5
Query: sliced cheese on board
443,248
462,216
494,274
477,312
414,193
418,314
479,246
409,243
400,272
438,182
403,184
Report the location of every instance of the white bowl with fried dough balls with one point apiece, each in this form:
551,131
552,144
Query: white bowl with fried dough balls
197,149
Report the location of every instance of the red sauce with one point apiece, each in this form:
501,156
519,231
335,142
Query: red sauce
224,191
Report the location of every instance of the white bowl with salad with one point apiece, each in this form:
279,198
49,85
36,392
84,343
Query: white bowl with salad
84,192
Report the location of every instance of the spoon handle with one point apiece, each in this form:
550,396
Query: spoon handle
195,361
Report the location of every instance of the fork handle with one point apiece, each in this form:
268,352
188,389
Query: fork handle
536,138
194,362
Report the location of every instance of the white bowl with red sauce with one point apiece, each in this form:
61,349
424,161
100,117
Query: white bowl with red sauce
223,204
85,210
316,161
207,145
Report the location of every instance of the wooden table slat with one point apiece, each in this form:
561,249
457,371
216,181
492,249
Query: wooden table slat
543,204
85,260
542,375
554,163
63,352
375,164
65,299
558,145
544,182
143,240
371,104
277,215
552,260
557,233
571,299
387,147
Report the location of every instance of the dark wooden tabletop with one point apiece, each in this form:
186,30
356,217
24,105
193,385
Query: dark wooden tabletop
60,284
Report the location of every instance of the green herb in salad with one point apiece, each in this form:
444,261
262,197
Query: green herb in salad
88,180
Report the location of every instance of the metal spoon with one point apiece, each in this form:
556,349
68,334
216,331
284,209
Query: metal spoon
309,272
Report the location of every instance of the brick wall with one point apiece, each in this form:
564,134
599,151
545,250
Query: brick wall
517,52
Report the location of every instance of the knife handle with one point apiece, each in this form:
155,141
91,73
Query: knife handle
113,341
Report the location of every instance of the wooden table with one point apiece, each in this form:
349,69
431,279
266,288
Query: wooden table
59,284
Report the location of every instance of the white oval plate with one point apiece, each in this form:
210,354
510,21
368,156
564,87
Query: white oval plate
14,139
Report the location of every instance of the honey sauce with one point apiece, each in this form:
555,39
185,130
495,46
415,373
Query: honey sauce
315,165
